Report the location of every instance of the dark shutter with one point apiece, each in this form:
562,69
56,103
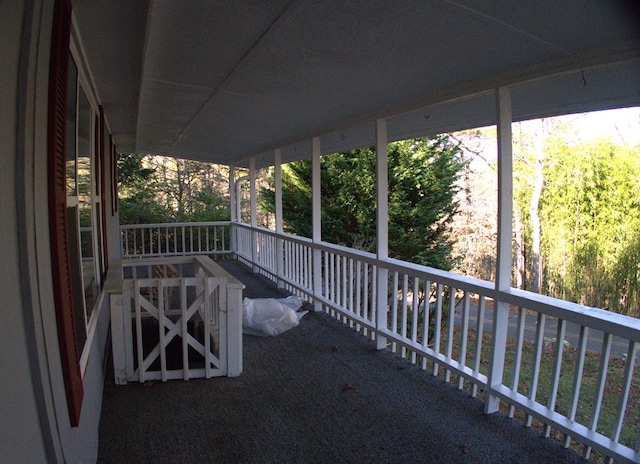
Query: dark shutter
60,263
114,176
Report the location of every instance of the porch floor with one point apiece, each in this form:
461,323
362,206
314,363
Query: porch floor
319,393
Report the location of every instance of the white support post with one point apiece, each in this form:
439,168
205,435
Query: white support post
234,327
254,210
277,168
119,341
503,272
382,230
233,199
317,225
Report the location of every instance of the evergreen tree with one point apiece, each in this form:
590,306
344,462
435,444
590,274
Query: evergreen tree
423,177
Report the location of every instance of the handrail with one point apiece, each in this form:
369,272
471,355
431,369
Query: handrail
448,322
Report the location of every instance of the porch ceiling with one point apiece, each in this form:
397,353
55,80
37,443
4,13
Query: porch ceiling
224,80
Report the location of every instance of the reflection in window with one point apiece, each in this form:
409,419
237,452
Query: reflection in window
72,91
85,199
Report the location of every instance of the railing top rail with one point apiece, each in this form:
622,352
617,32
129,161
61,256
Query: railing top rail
599,319
215,270
156,261
175,224
452,279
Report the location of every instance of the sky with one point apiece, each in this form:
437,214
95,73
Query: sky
622,125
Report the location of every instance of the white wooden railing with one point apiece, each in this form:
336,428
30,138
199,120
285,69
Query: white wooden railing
468,330
176,318
472,335
176,239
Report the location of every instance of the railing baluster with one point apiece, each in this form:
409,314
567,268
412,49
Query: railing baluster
438,326
358,291
373,317
425,321
405,296
414,316
351,291
394,309
479,336
365,308
344,282
537,359
161,329
626,388
517,355
185,333
452,315
464,334
139,347
599,394
577,378
557,366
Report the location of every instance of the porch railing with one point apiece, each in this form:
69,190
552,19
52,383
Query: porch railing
473,336
176,318
177,239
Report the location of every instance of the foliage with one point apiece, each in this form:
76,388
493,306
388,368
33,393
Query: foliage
137,189
422,189
590,214
156,189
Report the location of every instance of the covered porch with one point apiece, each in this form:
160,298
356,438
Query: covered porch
379,355
397,362
317,393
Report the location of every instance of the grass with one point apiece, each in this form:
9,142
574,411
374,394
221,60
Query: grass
590,375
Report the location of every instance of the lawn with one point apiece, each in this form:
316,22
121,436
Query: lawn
613,386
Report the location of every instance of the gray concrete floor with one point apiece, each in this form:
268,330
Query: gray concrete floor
319,393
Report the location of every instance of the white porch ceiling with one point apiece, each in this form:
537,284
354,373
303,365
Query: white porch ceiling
224,80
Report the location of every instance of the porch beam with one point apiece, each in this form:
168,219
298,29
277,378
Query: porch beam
503,272
382,230
316,236
277,173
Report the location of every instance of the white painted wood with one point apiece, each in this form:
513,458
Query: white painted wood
505,216
414,316
464,334
394,310
279,252
537,358
600,386
426,321
626,388
577,378
382,229
479,336
517,358
557,366
317,224
438,325
405,306
450,327
118,347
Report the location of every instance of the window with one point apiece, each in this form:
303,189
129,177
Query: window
76,219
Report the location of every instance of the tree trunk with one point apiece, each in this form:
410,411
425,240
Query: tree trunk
520,261
536,264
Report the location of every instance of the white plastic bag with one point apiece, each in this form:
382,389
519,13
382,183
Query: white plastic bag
269,316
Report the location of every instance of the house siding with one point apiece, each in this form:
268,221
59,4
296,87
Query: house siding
34,419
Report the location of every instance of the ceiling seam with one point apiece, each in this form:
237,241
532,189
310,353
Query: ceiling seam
143,70
518,31
284,14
